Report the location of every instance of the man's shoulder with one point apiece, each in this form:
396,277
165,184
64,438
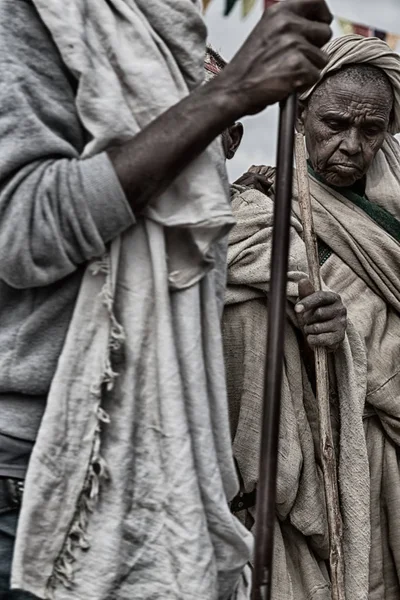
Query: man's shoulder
21,30
21,24
13,10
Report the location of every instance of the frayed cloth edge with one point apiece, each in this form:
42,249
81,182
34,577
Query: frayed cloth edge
97,474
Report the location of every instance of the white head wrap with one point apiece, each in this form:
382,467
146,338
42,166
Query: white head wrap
356,49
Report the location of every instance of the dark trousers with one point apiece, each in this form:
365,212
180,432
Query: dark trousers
8,528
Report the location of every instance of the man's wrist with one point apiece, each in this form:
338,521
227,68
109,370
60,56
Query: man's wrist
219,96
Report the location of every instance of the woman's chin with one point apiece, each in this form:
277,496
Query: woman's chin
341,179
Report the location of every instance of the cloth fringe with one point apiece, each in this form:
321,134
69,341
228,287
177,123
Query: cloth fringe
97,473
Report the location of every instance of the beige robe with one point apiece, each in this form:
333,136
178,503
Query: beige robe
301,533
364,269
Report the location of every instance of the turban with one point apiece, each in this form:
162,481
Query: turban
356,49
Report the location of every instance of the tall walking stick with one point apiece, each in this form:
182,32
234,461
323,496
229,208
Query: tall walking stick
322,386
266,490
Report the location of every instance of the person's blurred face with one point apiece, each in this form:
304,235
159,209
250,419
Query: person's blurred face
345,123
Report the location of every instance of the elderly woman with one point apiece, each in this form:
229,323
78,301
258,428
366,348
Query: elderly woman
354,163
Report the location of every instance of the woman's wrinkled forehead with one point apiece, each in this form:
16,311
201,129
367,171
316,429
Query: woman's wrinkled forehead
353,77
363,85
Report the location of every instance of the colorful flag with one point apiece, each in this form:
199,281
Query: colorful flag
379,34
229,4
393,40
247,6
362,30
346,26
205,5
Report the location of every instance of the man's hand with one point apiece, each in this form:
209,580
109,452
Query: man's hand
254,181
282,55
322,316
258,178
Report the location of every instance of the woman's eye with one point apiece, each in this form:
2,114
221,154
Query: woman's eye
372,131
335,125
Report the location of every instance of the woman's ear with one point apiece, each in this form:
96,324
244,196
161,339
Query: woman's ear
301,115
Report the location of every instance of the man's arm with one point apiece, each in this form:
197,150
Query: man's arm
58,211
280,56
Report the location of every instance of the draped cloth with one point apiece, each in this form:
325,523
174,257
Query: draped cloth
127,490
357,49
301,534
363,268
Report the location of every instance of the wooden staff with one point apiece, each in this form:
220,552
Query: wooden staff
322,386
266,489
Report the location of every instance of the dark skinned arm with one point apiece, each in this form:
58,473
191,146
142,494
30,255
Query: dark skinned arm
280,56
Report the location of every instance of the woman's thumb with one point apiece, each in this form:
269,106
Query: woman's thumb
306,288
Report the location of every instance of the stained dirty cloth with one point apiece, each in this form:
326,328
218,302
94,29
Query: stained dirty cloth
301,534
133,460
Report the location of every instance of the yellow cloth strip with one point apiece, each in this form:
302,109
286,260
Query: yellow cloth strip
346,26
393,40
205,5
247,6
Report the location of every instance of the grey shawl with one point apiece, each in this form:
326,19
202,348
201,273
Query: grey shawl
128,486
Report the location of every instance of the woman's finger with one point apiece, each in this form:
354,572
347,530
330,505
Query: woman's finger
316,300
324,313
332,326
325,340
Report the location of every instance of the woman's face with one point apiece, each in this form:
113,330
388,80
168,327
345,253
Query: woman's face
345,123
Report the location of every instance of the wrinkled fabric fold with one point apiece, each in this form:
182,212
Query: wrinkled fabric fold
363,269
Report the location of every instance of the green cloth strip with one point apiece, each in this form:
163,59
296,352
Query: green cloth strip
381,216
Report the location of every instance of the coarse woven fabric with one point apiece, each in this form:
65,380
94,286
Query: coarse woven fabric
357,49
301,538
133,460
364,271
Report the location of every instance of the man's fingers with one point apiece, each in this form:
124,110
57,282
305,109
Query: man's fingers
258,182
316,57
315,10
258,169
305,64
317,34
244,179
